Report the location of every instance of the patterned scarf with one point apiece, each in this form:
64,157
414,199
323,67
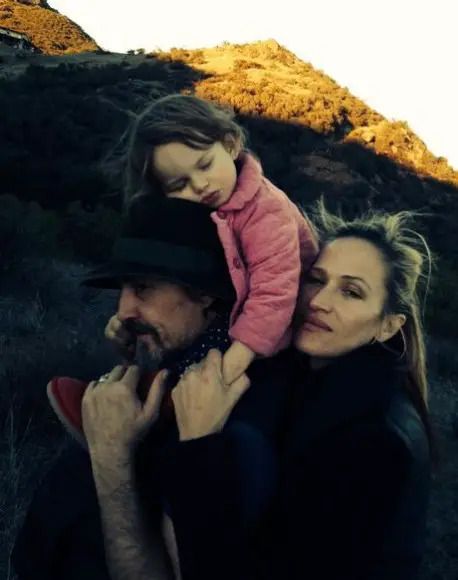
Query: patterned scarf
215,336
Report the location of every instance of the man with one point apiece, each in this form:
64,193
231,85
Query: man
175,298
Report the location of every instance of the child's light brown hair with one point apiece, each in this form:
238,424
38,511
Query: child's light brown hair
174,118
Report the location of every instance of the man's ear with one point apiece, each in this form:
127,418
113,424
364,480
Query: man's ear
392,324
206,301
233,145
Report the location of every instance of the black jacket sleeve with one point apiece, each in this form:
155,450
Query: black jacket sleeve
339,504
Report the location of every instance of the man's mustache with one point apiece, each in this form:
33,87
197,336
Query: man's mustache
136,328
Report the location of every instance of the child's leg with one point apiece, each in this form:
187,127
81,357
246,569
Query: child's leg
236,361
65,395
258,469
258,464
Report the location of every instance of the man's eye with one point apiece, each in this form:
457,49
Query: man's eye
140,289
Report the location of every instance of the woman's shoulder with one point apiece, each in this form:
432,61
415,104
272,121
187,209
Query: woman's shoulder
392,442
396,414
402,420
394,424
362,396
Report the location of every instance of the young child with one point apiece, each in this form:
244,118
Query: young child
182,146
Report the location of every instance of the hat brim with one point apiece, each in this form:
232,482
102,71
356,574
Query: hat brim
114,275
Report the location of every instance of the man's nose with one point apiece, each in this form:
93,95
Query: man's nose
128,304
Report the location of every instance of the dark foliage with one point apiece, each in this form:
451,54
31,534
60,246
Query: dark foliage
60,122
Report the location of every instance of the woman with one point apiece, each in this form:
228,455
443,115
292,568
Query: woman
356,462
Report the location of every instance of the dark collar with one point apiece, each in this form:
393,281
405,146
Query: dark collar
215,336
352,386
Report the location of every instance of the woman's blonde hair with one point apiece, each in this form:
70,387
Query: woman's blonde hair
408,262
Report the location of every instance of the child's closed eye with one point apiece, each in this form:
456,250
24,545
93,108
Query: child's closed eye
205,166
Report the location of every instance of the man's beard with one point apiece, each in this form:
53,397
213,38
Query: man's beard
147,361
141,355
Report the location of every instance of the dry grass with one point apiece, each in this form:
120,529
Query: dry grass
23,458
49,326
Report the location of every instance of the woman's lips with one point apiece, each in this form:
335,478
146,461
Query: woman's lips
314,325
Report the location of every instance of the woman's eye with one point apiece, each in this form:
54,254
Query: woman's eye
352,293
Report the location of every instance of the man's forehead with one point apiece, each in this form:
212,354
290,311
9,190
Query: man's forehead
143,280
151,281
163,285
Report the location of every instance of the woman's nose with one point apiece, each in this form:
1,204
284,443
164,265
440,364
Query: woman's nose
320,299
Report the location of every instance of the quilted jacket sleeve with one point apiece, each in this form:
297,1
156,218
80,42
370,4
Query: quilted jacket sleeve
269,239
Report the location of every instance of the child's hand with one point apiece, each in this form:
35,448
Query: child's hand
236,361
112,328
116,332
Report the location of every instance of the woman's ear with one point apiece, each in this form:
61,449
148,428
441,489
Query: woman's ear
390,326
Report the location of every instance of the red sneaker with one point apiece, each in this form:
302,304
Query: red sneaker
66,394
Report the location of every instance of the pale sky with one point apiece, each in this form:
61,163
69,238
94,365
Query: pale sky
399,56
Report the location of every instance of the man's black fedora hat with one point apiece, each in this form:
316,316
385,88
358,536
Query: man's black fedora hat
168,239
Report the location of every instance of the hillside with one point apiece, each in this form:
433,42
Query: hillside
64,113
48,30
266,79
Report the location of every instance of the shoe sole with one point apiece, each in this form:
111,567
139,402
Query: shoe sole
73,431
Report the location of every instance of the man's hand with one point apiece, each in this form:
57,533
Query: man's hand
113,417
202,400
114,420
